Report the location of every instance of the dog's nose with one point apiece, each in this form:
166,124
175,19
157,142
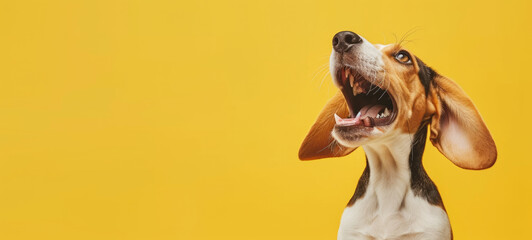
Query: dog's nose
343,41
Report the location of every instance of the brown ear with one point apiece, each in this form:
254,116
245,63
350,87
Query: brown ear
319,143
457,129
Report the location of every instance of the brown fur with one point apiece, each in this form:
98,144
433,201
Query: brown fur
319,143
453,107
453,117
406,89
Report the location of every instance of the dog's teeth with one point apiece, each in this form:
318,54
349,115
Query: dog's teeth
386,112
356,89
351,80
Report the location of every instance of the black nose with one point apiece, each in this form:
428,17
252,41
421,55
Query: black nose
343,41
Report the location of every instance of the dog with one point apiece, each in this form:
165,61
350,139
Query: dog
388,100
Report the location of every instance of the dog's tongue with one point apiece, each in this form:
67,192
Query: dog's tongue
371,111
362,118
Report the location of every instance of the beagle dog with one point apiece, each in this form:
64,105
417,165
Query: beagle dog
387,101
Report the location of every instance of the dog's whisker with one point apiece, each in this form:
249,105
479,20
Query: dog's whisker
383,94
320,70
407,34
319,76
383,76
323,78
329,146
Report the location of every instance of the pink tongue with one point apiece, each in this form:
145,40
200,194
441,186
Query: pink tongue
371,111
362,118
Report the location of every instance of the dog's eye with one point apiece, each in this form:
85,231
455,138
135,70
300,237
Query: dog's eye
403,57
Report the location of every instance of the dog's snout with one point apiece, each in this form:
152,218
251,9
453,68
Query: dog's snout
343,41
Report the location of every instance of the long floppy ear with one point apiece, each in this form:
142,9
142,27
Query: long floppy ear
319,143
457,129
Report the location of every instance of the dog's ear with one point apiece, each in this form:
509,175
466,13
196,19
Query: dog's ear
319,143
457,129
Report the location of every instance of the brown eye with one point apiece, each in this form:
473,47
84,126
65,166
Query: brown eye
403,57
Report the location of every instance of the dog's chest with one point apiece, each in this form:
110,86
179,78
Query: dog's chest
410,217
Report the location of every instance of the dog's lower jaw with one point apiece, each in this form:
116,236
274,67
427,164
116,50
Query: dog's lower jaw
389,208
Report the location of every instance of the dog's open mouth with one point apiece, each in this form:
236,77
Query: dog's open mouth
369,105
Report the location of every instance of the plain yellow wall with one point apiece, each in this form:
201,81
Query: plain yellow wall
182,119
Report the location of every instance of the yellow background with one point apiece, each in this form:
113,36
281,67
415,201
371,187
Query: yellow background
182,119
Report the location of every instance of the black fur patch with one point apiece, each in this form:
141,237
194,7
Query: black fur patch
426,74
420,182
361,186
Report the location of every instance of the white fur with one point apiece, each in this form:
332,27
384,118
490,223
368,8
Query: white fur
388,208
381,46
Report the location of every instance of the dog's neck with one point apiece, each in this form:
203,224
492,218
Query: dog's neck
395,198
389,176
393,169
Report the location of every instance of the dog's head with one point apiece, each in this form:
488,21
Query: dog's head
385,91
